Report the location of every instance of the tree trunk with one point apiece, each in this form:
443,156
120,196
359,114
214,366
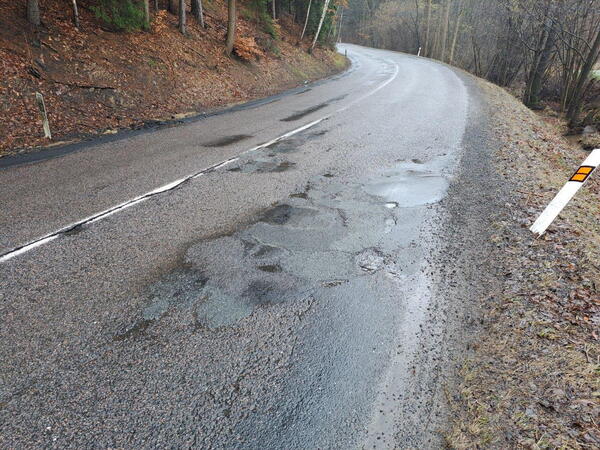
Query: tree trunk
231,19
146,14
182,16
314,42
445,31
273,13
534,84
306,21
584,75
427,27
173,9
197,12
75,13
33,12
417,26
455,38
339,37
155,5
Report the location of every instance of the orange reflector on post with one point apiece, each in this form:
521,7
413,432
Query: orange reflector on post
582,173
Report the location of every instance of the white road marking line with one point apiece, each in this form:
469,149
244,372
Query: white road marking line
566,193
174,184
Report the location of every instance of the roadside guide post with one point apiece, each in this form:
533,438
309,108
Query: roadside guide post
42,108
566,193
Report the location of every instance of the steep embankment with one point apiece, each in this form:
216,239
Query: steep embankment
96,81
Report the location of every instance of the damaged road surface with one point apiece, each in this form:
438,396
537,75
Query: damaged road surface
292,297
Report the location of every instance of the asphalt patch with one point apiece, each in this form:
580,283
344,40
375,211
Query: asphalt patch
300,114
227,140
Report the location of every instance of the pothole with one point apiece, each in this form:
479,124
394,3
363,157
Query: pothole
408,185
370,260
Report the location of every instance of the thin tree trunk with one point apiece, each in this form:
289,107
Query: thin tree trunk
231,18
75,13
155,5
146,14
314,42
427,28
532,95
182,16
339,37
445,32
578,90
197,12
273,13
455,38
306,20
33,12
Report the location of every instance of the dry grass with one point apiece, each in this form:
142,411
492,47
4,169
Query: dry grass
534,378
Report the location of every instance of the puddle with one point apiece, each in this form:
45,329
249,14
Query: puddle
227,140
409,184
300,114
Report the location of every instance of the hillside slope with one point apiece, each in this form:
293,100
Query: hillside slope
95,80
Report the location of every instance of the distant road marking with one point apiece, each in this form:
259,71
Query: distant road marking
174,184
566,193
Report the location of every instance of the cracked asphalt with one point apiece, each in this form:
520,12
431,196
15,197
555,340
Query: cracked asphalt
298,297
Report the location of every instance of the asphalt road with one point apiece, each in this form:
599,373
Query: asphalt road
287,299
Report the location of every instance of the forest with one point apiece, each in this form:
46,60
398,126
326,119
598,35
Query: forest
318,20
546,50
108,65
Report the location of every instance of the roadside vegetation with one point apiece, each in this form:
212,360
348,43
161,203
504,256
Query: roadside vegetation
532,379
103,65
545,51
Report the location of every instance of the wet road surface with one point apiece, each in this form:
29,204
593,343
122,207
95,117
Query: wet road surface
276,301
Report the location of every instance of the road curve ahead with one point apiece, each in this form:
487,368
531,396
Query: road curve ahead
263,278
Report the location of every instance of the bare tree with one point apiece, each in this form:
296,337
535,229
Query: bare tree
197,12
33,12
583,79
306,20
339,36
75,13
231,20
182,16
146,14
314,42
427,26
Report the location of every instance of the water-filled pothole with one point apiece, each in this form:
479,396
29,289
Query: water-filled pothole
409,184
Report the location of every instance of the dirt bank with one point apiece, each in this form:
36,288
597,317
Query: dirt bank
97,81
531,379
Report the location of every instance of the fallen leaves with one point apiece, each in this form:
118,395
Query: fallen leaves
546,321
93,80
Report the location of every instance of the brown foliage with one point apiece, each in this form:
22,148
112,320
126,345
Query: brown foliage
246,48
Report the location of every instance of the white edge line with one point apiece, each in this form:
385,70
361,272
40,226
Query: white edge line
170,186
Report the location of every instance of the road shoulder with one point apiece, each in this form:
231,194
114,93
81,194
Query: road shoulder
529,374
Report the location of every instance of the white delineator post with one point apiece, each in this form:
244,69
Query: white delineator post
566,193
42,108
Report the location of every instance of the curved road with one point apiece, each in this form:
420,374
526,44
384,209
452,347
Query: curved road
278,300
